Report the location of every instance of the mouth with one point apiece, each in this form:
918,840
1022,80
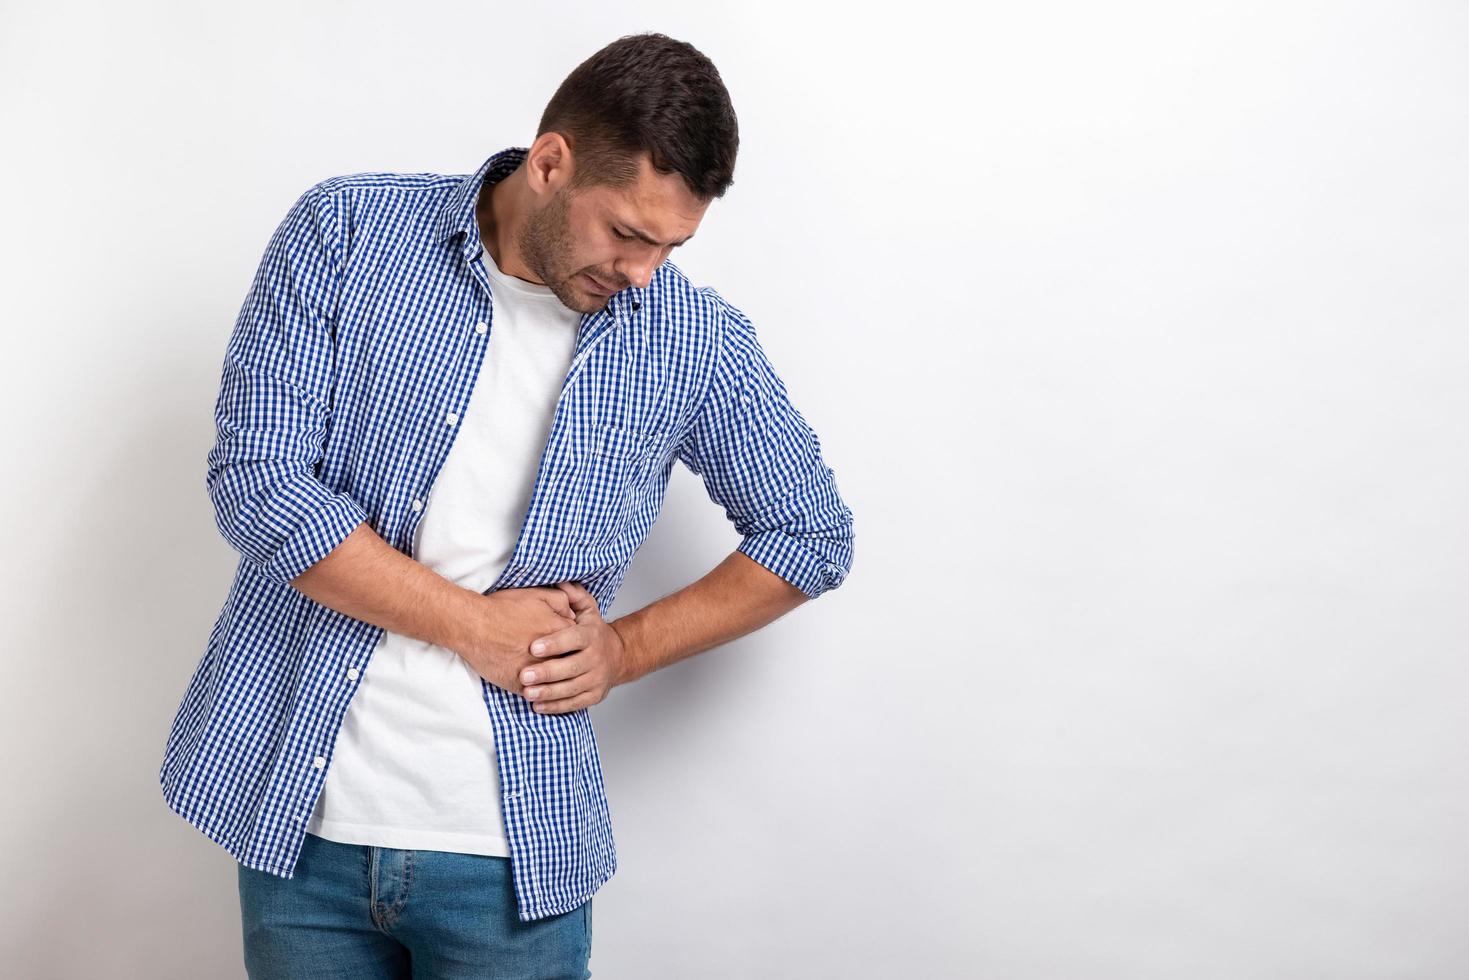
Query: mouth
596,286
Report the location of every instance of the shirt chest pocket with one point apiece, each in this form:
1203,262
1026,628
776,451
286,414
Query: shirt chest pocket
613,475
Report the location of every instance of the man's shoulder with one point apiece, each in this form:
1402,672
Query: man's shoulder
390,206
387,182
728,325
679,293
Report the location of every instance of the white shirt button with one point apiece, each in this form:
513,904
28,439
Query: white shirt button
319,762
417,505
481,327
352,673
452,417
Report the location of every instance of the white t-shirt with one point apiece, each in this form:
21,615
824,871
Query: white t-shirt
414,764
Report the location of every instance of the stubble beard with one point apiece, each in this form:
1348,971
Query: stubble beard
544,240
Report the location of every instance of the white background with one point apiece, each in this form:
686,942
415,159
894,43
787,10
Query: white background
1135,334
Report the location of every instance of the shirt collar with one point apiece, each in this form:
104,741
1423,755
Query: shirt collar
456,217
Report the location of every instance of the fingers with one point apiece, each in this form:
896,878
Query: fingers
582,601
584,700
561,641
557,600
553,671
558,691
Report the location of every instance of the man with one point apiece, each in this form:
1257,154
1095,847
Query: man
447,416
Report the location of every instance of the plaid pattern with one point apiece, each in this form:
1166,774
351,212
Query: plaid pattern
341,390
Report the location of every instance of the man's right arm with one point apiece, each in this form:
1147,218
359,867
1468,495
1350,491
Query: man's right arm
274,403
271,419
368,579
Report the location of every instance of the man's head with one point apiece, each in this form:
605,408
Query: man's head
631,150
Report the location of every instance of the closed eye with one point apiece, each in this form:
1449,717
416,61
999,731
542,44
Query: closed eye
628,238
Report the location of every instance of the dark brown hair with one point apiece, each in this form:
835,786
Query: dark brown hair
647,93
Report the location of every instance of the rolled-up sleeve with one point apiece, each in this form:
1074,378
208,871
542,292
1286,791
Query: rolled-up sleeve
274,405
762,462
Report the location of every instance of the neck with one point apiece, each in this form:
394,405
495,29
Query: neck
499,214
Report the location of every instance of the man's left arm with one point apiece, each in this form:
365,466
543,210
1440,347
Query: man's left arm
762,462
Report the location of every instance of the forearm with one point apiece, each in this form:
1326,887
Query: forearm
738,597
368,579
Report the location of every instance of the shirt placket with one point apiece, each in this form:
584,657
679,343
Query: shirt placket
442,434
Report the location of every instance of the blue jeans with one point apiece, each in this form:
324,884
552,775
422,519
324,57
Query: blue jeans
360,912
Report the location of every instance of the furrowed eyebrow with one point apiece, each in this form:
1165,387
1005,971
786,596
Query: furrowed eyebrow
644,236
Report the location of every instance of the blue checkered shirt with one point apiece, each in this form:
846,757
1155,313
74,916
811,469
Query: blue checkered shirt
343,382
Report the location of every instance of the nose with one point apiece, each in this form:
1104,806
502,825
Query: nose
637,273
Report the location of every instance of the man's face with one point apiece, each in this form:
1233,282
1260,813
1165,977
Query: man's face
575,236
